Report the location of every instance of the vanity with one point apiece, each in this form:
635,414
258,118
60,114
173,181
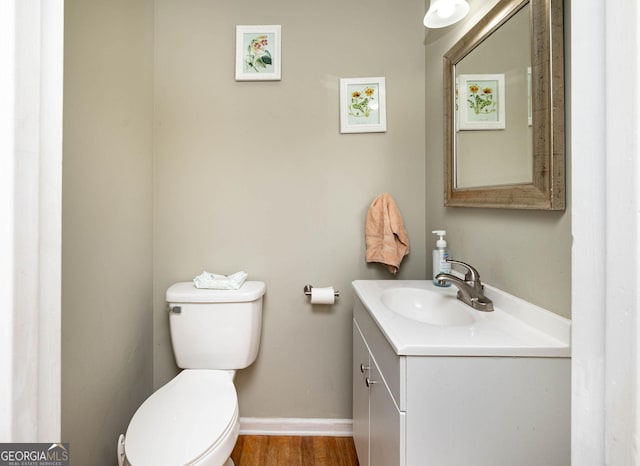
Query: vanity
436,383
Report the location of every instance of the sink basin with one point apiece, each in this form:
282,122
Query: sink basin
420,319
427,306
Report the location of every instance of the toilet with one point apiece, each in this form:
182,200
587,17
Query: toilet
193,419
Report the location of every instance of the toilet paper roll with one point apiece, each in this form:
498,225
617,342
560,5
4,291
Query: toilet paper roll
323,295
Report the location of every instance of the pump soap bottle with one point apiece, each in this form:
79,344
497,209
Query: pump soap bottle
440,256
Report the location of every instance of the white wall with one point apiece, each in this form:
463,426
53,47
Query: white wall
7,215
606,254
31,129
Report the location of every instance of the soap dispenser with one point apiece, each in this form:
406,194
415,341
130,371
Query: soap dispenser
440,256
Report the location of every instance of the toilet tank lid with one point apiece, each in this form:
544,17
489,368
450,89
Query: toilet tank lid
186,292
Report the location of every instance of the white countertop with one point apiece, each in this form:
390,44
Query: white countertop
515,328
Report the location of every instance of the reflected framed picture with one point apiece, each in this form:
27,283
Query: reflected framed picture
481,102
529,107
363,107
258,53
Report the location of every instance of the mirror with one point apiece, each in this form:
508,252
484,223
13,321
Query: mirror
504,110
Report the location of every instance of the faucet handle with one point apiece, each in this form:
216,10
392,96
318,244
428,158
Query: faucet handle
472,276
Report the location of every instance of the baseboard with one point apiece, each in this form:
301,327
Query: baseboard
296,426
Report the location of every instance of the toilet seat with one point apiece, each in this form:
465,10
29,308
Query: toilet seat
193,419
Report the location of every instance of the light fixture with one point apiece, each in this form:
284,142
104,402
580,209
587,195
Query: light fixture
443,13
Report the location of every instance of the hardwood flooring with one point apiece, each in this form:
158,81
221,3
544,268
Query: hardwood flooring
276,450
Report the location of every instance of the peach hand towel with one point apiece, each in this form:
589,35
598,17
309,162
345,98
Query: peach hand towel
385,236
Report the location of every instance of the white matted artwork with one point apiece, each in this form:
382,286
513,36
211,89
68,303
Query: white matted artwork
363,105
482,102
258,53
529,104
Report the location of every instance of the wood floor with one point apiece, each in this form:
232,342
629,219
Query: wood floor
267,450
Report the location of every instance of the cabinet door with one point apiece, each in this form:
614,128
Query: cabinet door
360,372
386,423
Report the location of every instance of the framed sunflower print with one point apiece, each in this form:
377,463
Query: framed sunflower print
482,102
258,56
363,106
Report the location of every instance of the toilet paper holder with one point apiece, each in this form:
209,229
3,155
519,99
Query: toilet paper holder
308,288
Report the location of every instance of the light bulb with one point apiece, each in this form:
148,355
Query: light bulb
446,8
443,13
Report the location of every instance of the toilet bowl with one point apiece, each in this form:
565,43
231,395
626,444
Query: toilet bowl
193,419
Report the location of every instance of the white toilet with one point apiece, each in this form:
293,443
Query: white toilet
193,419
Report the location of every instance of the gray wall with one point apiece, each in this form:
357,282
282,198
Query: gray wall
525,253
107,227
255,176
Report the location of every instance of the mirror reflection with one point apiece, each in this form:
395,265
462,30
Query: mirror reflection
493,142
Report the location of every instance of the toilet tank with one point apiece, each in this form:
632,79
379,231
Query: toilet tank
215,329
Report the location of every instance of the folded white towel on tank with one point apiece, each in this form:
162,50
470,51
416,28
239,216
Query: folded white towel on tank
215,281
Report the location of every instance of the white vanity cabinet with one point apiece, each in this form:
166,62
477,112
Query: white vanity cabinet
443,410
360,370
378,424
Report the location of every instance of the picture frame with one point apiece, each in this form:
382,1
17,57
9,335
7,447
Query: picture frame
258,53
363,107
529,106
482,102
456,106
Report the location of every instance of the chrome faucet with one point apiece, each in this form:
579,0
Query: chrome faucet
470,290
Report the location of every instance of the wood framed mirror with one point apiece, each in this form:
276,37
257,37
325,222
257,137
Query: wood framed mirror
507,155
